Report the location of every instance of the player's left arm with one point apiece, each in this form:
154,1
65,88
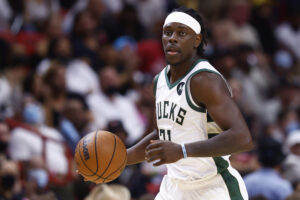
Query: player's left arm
208,89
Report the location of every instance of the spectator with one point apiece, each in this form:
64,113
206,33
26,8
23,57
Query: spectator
109,192
291,165
84,38
6,108
39,145
10,185
80,74
116,127
59,50
267,180
295,196
107,27
262,20
11,81
128,62
76,121
4,140
5,14
113,106
55,93
130,24
39,11
288,33
146,9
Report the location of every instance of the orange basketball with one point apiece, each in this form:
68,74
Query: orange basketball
100,156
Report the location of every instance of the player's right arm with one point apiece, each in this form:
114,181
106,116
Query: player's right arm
136,153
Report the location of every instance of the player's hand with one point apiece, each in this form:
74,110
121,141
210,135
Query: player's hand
163,151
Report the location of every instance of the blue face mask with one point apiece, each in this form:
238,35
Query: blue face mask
292,126
40,176
283,59
33,114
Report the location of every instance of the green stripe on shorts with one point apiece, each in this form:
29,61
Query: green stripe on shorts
231,182
232,185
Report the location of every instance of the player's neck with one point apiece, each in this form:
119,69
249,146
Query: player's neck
178,71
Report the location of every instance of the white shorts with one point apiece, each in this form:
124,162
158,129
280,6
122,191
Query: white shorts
228,185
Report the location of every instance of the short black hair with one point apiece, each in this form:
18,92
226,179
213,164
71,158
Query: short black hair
116,126
78,97
270,152
195,14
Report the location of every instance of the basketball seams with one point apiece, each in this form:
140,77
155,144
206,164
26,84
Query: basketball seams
96,152
113,154
119,145
93,173
116,169
104,172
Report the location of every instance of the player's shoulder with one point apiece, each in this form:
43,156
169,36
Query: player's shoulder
206,75
206,81
203,69
204,65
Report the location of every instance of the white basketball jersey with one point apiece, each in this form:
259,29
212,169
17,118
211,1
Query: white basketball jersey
181,120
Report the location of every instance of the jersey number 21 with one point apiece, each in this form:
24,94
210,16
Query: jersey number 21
164,134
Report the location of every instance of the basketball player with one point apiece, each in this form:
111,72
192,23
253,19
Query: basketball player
198,123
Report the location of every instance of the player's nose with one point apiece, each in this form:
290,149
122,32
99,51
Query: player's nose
173,38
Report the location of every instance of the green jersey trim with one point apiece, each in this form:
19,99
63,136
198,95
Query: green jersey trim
155,83
189,98
171,85
211,135
190,101
209,119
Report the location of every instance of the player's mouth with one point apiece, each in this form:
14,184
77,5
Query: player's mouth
172,51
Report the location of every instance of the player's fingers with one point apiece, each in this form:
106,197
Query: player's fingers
155,141
153,152
153,158
161,162
153,145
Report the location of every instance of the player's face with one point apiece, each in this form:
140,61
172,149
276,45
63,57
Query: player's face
178,43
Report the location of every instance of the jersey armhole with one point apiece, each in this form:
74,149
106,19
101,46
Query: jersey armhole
188,94
189,97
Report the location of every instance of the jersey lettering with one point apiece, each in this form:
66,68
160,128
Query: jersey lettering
173,106
159,111
166,103
180,116
168,112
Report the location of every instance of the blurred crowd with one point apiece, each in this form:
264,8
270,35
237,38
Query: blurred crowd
71,67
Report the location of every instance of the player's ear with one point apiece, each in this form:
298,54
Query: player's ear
198,40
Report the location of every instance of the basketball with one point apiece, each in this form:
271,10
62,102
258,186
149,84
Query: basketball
100,156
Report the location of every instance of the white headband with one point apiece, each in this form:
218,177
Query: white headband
183,18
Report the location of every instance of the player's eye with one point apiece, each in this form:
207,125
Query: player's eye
182,33
167,33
